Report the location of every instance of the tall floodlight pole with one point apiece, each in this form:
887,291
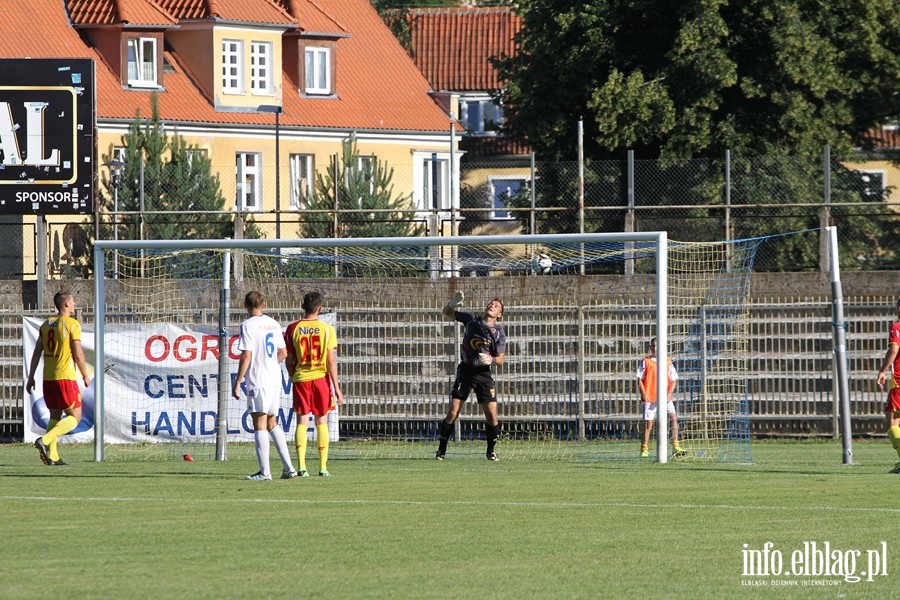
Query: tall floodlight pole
276,110
581,188
116,170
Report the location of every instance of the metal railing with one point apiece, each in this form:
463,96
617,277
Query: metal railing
789,378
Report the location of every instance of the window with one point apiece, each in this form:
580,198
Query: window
261,67
142,62
501,190
480,116
248,181
434,191
232,66
302,179
872,185
318,71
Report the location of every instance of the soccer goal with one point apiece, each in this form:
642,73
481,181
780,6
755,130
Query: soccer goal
580,310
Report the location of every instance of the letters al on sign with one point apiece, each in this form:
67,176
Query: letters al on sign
47,124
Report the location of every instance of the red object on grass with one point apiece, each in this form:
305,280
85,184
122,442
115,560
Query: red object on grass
188,458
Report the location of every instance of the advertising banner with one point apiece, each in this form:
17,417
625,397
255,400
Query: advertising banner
161,384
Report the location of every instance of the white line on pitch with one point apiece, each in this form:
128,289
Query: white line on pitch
456,503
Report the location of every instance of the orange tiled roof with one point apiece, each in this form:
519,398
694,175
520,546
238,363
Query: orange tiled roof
250,11
188,9
376,81
40,29
879,138
452,46
378,86
312,17
109,12
494,147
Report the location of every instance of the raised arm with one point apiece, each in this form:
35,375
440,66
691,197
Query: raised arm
454,303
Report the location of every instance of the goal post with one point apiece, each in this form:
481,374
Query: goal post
567,389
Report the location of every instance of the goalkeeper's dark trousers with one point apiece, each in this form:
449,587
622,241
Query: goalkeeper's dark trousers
444,432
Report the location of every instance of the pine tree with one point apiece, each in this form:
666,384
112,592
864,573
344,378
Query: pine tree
182,197
178,186
363,186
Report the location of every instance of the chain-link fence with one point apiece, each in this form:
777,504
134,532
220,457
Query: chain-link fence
705,200
694,200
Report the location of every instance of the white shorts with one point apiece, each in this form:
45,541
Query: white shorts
264,400
648,410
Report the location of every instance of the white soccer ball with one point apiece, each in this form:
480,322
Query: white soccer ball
542,264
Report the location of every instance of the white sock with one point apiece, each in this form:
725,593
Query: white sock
277,436
262,451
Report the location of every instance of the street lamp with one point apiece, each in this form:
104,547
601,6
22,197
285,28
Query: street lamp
116,170
276,110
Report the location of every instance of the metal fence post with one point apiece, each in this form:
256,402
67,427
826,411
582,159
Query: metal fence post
533,219
729,227
337,207
630,217
581,187
40,244
238,258
825,213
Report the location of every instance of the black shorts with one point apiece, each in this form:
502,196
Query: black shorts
479,379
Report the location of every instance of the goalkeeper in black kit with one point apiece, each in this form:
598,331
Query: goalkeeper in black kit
483,345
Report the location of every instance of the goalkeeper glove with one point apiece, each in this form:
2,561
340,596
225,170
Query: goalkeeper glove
455,302
484,359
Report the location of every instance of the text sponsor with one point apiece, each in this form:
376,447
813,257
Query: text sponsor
179,424
187,347
52,197
182,386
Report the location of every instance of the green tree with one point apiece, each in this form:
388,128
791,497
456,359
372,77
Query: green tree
396,17
367,205
688,79
179,188
675,81
182,197
366,197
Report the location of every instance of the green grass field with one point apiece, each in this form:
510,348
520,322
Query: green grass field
458,529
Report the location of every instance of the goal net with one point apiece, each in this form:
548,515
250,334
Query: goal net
580,311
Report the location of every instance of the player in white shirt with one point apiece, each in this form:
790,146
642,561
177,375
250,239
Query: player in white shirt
262,351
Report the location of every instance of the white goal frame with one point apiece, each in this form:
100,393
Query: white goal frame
659,238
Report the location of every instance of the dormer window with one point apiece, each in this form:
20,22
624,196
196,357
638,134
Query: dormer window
261,67
233,66
318,71
142,62
481,116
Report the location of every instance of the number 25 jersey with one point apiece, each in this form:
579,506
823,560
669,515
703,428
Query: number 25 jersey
309,342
